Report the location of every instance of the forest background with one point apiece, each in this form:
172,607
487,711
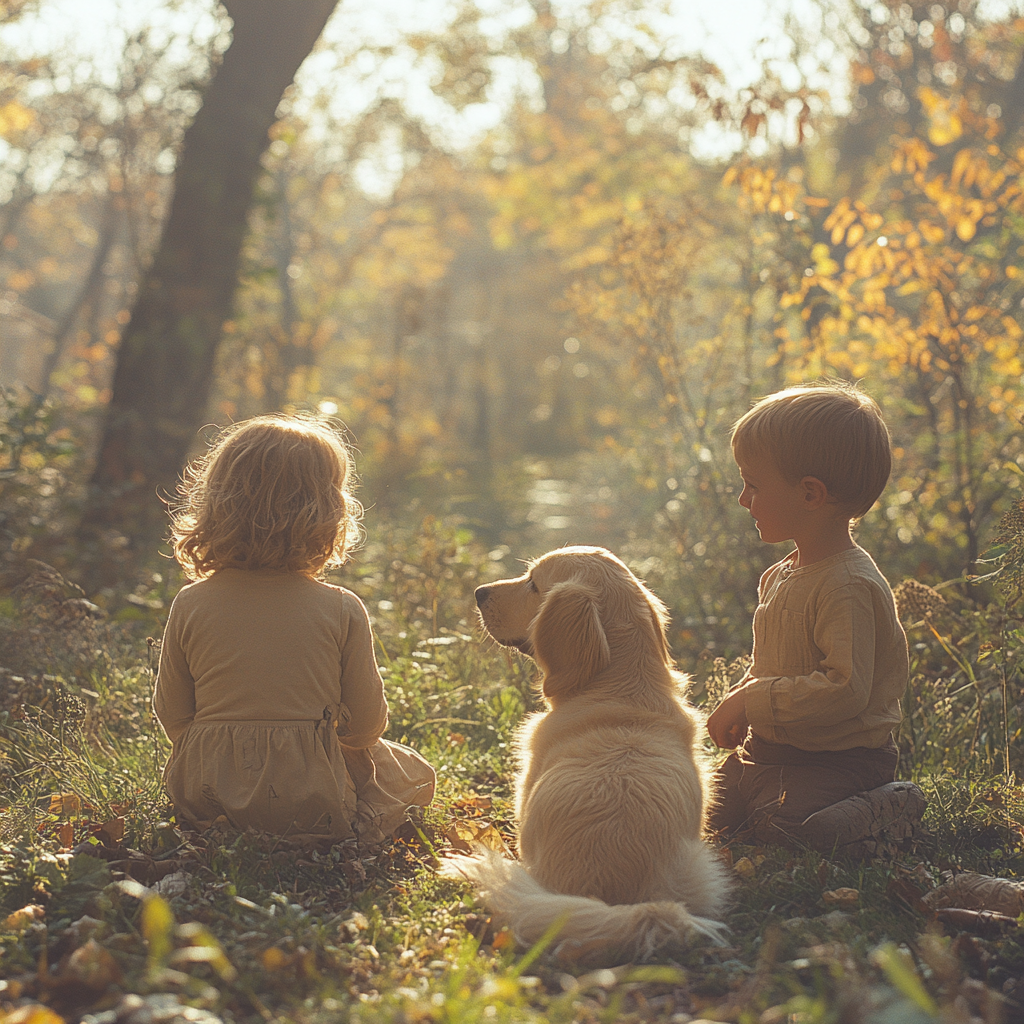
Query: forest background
543,330
537,258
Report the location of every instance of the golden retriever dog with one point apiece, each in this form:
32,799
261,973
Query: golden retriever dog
610,791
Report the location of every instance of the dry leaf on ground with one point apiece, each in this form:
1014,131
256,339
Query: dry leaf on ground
464,834
842,897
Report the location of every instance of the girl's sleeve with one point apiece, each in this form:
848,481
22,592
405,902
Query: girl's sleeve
362,691
174,697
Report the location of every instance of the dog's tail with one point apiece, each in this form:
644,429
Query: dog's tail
592,931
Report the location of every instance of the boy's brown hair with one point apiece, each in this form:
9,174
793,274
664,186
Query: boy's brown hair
831,431
271,493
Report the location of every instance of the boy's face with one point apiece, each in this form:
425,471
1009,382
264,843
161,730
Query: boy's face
778,507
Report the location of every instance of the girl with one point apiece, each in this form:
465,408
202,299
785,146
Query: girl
268,687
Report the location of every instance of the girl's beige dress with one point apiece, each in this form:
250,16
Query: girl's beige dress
269,691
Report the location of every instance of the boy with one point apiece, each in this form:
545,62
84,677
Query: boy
817,709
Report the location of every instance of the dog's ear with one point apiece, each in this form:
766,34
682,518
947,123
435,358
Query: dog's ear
659,622
569,642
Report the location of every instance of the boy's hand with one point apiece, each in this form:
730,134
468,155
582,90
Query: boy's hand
728,723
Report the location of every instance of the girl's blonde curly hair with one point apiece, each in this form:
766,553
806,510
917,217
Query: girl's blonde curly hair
271,493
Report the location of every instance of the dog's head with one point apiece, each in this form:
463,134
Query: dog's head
575,610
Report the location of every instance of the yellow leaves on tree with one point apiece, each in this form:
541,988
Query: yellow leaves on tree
945,124
765,190
923,293
14,120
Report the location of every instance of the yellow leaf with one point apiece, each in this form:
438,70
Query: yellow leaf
65,803
945,129
837,214
203,948
930,99
157,928
14,119
273,959
476,832
960,164
899,969
35,1013
966,228
21,919
854,235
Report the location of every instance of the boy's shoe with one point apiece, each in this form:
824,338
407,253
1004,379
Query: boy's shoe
875,823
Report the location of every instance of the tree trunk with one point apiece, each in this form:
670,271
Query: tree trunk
165,363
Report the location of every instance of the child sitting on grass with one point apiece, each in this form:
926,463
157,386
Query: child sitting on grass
815,714
268,686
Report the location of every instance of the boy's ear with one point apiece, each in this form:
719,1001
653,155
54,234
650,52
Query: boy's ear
815,493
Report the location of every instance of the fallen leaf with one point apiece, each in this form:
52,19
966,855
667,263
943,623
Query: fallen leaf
351,928
21,919
464,834
91,965
174,884
65,803
474,801
66,835
273,959
110,832
34,1013
86,928
744,867
843,897
353,870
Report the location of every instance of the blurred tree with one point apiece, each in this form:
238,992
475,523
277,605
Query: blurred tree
162,380
85,179
911,279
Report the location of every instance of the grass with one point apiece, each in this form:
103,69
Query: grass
110,909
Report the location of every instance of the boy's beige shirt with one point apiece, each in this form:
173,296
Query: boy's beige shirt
830,656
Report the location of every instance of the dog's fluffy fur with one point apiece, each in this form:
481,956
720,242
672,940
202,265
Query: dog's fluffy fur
610,792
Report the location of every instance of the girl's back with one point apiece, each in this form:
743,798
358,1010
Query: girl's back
266,644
